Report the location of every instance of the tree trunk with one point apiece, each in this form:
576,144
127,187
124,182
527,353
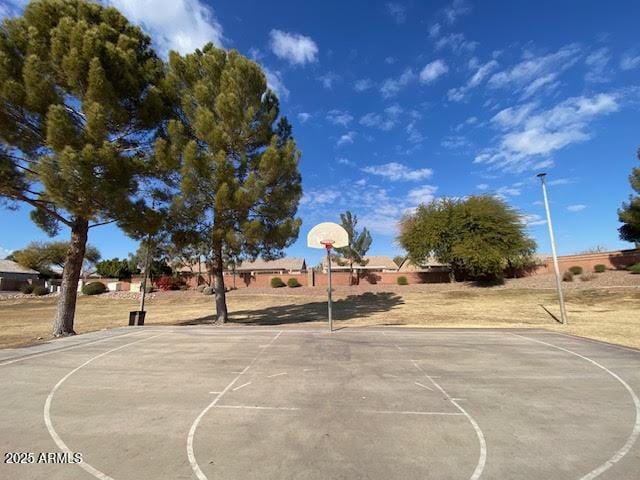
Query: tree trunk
221,299
63,323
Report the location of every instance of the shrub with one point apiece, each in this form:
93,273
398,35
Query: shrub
587,277
567,276
169,283
94,288
26,288
576,270
39,291
599,268
207,291
293,283
634,268
402,281
276,282
200,288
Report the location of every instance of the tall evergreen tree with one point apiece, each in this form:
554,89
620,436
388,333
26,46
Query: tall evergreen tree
359,242
629,214
237,179
79,107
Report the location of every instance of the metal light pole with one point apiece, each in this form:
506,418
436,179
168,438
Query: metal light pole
145,275
563,312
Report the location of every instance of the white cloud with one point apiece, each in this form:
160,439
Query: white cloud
598,62
482,70
433,70
533,219
531,134
328,79
294,48
384,122
303,117
508,191
536,72
630,61
414,135
346,139
180,25
398,172
422,195
391,86
434,30
345,161
389,60
482,186
320,197
339,117
275,83
4,253
398,12
576,208
455,142
456,9
362,84
561,181
456,42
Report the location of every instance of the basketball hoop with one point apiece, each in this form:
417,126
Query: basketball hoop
328,235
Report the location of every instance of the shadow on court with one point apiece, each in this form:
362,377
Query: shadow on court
353,306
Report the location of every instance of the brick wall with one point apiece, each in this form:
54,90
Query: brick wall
614,260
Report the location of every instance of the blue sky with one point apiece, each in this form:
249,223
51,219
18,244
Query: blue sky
399,103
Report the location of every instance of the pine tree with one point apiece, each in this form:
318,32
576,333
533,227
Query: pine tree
79,107
359,242
236,176
629,214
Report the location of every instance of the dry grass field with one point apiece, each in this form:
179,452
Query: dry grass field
609,314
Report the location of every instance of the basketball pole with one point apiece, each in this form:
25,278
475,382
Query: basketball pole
329,289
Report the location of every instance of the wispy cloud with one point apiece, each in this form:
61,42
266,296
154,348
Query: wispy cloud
533,219
576,208
398,172
456,9
630,60
180,25
385,121
529,133
275,83
422,195
4,253
597,62
304,117
363,84
456,42
339,117
319,196
398,12
346,139
391,86
328,79
536,72
294,48
481,72
432,71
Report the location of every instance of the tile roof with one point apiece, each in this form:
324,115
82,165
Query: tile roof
9,266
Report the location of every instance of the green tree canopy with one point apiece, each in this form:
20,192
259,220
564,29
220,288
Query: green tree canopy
236,178
479,236
629,214
41,256
80,104
114,268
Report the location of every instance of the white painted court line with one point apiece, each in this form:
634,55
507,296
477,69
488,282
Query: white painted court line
482,460
591,340
256,407
64,349
194,426
276,375
635,432
423,386
47,409
242,386
409,412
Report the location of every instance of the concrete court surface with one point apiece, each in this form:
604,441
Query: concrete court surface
284,403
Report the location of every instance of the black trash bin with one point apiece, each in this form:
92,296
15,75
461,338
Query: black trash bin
136,318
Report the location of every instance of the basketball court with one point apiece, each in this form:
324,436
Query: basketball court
248,402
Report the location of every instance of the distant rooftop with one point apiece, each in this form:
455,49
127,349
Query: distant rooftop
9,266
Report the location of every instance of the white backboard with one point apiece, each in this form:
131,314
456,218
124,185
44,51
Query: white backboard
327,231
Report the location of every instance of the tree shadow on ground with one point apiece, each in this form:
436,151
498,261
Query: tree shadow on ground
349,308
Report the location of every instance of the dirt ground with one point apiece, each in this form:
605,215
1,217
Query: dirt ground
606,312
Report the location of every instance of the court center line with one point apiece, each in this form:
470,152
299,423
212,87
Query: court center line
192,431
276,375
256,407
635,432
47,409
242,386
63,349
409,412
482,460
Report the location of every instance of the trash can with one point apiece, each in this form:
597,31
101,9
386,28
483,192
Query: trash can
136,318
